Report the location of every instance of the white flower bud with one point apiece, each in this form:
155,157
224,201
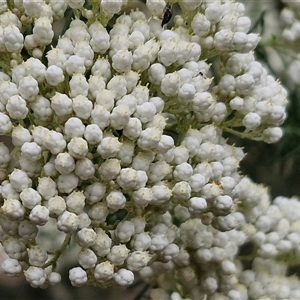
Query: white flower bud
30,198
54,75
46,187
95,192
136,38
42,31
149,138
7,191
54,278
210,190
141,58
129,178
156,7
209,285
181,191
37,256
102,243
129,101
16,107
170,84
156,73
39,215
64,163
27,230
197,205
82,107
219,113
74,64
78,147
61,104
267,250
137,260
97,84
42,108
35,276
120,117
272,135
84,168
12,38
126,152
200,25
141,241
93,134
31,151
75,202
158,170
158,242
122,60
183,171
99,39
74,128
19,180
224,223
124,231
161,194
109,169
86,237
115,200
87,258
4,156
145,112
77,276
67,183
118,254
11,267
15,248
84,220
111,7
181,213
124,277
67,222
118,85
56,206
8,89
133,128
78,85
181,155
165,144
222,205
142,197
104,271
109,147
13,209
251,121
5,124
20,135
98,212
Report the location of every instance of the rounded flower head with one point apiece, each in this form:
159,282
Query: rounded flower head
119,150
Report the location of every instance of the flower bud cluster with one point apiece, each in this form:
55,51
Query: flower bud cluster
256,99
272,230
117,138
290,17
221,27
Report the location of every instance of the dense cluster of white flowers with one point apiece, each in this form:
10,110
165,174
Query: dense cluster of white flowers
118,146
290,17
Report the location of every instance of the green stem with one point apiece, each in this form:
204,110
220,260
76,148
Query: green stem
59,252
243,135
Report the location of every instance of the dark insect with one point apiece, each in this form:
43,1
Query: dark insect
167,15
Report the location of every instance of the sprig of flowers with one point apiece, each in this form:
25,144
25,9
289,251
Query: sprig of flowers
118,143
